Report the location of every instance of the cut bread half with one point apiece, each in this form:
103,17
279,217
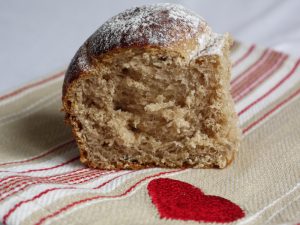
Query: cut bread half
153,105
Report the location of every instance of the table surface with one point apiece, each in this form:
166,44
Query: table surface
39,37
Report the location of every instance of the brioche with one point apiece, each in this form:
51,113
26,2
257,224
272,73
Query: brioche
151,88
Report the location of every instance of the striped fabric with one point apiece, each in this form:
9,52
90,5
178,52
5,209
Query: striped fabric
43,182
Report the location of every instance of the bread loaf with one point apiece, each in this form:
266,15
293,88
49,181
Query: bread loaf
151,88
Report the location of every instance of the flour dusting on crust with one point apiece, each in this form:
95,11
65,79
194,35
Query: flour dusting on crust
157,24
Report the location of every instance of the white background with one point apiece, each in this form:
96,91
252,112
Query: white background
39,37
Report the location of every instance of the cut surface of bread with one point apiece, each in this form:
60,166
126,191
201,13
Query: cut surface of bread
154,106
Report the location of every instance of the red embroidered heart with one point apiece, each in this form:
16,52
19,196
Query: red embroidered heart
179,200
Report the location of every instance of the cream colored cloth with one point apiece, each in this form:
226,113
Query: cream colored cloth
43,182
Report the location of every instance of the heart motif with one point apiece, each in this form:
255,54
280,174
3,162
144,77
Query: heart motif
175,199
